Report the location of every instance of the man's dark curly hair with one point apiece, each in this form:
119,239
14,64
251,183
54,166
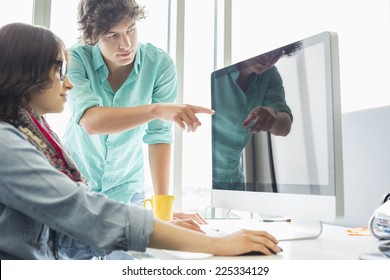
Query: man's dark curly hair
289,50
97,17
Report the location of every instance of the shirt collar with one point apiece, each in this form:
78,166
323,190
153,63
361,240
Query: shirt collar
97,57
137,62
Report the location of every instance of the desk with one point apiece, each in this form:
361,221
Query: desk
332,244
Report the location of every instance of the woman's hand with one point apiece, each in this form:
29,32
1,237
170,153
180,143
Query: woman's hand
182,114
168,236
245,241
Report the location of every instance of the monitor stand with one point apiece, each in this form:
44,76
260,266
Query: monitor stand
229,221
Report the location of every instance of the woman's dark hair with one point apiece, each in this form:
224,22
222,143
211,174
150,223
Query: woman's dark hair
97,17
27,55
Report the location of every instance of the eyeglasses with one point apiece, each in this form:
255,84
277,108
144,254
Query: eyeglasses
63,68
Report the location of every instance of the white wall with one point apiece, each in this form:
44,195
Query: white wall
366,153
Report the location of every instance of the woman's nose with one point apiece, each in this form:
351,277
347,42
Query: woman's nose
67,83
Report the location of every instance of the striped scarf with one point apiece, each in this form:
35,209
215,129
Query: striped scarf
44,139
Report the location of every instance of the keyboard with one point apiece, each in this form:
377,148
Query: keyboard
283,231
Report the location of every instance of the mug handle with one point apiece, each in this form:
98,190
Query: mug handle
146,202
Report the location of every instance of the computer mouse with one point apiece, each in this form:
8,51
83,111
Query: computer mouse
257,253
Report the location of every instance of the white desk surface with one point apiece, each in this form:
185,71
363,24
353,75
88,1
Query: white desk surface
332,244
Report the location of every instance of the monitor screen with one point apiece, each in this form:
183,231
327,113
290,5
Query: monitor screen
276,134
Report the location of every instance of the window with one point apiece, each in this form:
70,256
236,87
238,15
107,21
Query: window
66,28
198,65
16,11
154,28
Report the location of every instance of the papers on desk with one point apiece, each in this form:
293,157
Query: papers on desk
358,231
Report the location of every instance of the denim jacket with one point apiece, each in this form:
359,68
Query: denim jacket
38,203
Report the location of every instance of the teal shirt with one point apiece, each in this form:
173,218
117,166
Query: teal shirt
114,164
232,106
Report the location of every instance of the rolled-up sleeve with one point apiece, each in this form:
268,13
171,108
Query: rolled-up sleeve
275,95
81,96
164,91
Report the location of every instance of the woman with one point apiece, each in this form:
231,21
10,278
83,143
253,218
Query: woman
42,193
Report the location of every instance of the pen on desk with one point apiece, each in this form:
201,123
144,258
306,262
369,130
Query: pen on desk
276,220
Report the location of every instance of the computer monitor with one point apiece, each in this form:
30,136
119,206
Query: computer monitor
299,175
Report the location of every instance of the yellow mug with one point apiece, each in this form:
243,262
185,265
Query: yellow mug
162,206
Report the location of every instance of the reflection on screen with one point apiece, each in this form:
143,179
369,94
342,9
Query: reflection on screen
247,153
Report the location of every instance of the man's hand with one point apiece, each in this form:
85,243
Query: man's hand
183,115
189,220
187,223
260,119
194,216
